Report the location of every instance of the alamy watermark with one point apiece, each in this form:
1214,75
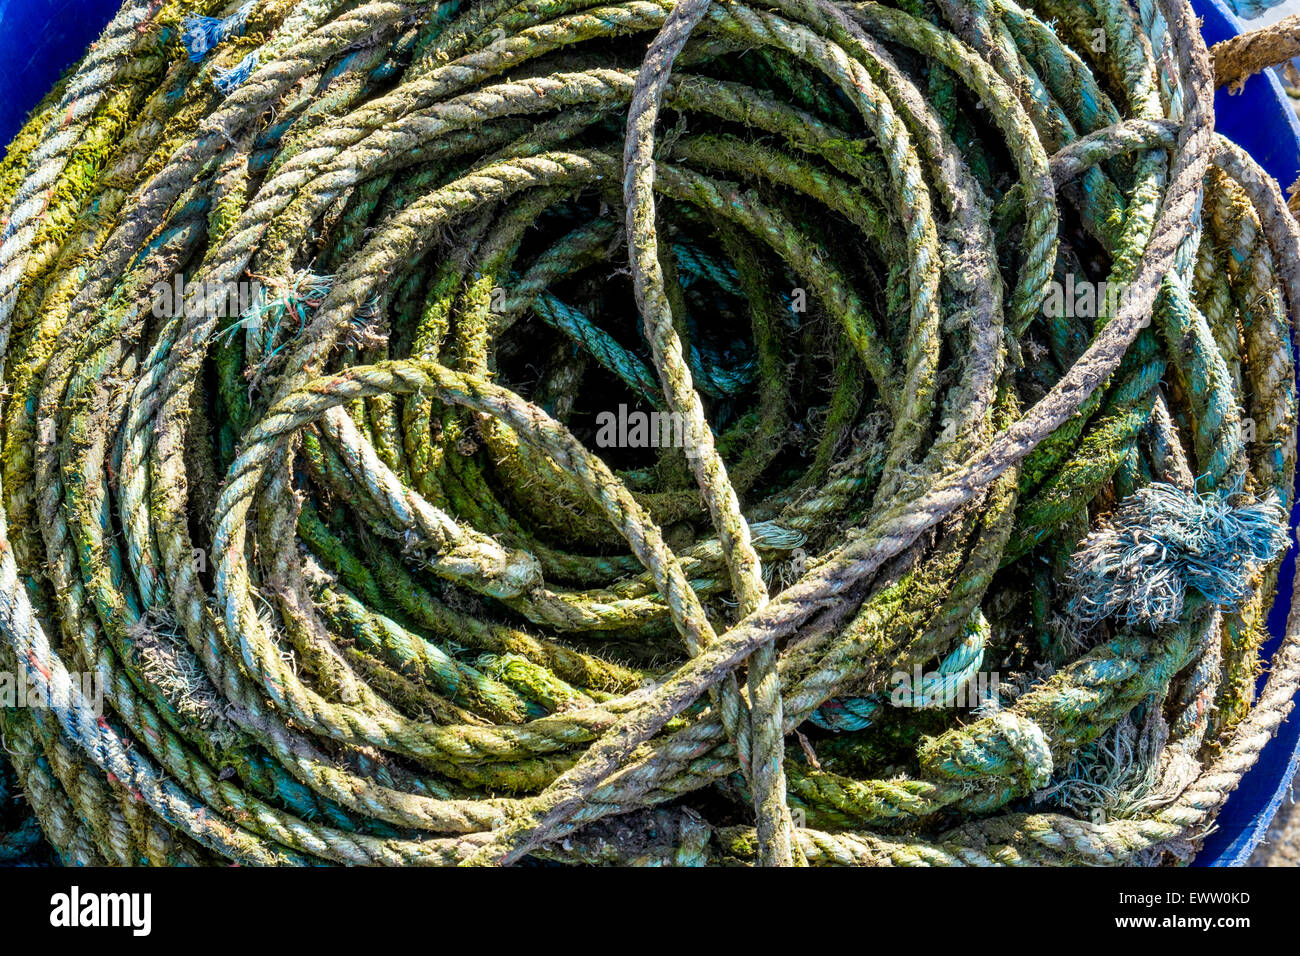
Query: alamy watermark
936,689
81,909
23,690
1077,298
633,428
214,300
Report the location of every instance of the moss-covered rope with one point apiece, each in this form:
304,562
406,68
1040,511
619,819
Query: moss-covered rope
635,432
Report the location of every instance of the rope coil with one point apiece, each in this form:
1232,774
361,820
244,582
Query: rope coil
560,410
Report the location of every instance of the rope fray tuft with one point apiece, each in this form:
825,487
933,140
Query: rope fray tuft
201,35
1164,540
227,81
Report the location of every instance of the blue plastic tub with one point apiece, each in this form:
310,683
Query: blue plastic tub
1259,118
39,39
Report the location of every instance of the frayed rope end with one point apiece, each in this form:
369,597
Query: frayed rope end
1163,540
227,81
202,34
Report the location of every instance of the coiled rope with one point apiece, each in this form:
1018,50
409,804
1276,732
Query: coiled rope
376,564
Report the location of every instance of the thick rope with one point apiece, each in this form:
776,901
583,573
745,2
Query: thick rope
442,433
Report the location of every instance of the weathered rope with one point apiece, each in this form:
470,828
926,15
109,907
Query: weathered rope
1244,55
632,432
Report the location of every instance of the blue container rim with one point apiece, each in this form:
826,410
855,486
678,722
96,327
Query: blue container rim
1262,121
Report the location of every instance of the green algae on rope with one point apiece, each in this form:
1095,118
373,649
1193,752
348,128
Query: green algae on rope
364,580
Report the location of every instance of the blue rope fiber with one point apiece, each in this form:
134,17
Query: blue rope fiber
845,714
937,688
1249,9
1164,540
202,34
226,81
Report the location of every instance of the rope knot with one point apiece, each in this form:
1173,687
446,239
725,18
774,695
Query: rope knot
1006,745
